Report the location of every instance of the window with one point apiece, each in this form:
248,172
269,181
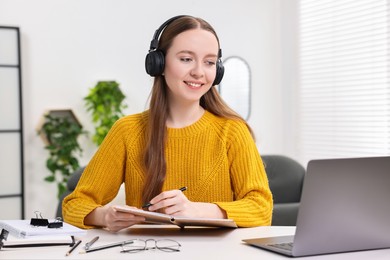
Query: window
344,78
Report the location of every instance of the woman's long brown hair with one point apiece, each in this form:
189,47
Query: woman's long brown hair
156,133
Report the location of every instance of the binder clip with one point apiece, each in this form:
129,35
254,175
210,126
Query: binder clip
39,221
3,236
56,224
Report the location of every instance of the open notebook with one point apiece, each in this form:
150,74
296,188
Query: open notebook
344,207
160,218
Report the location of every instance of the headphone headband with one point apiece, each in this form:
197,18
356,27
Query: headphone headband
154,42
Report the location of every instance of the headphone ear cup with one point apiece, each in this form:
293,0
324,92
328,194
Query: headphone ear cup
154,63
219,74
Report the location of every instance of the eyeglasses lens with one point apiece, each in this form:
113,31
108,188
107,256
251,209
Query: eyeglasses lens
166,245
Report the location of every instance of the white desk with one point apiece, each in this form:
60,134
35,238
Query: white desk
197,243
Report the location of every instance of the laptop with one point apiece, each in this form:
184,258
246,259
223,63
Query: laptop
344,207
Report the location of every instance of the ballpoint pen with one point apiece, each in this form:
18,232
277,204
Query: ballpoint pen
147,205
73,247
107,246
90,243
183,189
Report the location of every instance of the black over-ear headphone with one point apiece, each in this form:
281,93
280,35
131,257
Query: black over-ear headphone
155,59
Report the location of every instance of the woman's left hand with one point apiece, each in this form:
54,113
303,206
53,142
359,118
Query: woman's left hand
175,203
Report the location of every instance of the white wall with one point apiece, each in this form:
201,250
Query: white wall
68,45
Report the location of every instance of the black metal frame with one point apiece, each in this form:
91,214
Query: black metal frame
20,130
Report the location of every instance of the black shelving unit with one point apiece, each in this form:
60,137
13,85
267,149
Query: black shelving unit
11,125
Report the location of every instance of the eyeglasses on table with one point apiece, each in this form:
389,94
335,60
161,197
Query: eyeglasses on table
140,245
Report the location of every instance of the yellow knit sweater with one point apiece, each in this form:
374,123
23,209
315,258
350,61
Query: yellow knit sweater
215,158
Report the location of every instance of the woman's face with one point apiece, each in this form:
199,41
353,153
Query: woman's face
190,65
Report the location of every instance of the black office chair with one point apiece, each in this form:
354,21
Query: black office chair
70,186
285,177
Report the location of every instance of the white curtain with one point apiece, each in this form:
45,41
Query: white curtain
344,78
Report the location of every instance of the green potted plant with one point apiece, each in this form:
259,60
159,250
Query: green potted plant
60,131
105,102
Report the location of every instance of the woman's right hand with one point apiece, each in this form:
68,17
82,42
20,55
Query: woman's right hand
111,219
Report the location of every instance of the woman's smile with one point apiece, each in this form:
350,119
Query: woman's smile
193,85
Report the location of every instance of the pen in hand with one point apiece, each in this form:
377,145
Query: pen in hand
73,247
183,189
147,205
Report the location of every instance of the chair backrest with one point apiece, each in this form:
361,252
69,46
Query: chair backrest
285,177
70,186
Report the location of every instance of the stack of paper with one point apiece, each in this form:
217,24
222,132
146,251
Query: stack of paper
56,240
23,229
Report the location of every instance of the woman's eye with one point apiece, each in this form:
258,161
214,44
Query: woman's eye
186,59
210,63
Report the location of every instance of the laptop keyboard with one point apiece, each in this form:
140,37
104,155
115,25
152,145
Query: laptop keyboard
284,246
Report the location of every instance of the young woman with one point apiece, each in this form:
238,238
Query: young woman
188,137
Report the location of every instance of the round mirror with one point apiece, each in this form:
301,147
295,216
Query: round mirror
235,88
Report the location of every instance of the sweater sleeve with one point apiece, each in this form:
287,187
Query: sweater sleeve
253,203
101,179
